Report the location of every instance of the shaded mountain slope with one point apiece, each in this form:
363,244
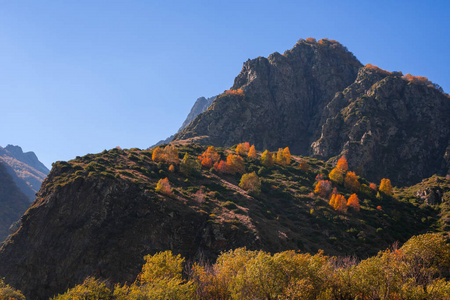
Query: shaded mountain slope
100,214
13,203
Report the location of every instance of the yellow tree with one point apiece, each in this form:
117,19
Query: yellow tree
336,175
267,159
252,152
250,182
171,155
163,186
386,187
287,155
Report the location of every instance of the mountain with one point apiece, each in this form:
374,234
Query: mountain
99,215
25,168
318,99
200,106
13,203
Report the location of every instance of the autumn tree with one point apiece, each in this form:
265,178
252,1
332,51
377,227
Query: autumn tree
171,168
157,154
342,164
373,186
243,148
235,164
251,183
283,156
163,186
336,176
351,182
267,159
353,202
209,157
386,187
338,202
168,155
252,152
323,188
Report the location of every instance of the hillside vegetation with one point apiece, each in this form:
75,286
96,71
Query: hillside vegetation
100,214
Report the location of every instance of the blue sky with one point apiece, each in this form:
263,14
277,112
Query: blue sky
78,77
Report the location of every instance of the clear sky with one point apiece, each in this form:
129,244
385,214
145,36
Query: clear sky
78,77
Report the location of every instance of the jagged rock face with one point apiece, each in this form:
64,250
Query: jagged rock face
284,96
313,100
200,106
387,127
25,168
13,203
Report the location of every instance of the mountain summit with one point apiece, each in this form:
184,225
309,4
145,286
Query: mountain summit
318,99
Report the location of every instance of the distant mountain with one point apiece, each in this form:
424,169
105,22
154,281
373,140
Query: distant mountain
13,203
200,106
318,99
25,168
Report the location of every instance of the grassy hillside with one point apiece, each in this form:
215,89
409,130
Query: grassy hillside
286,214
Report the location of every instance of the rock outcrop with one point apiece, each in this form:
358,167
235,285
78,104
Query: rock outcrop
317,99
284,97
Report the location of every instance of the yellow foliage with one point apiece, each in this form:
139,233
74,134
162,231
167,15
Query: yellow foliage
336,175
351,182
252,152
267,158
163,186
386,187
251,182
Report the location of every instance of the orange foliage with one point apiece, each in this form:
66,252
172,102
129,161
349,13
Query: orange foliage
238,92
386,187
323,188
303,165
157,154
342,164
242,148
209,157
351,182
168,155
353,202
235,164
311,40
267,158
377,69
221,167
252,152
373,186
163,186
338,202
172,168
379,208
